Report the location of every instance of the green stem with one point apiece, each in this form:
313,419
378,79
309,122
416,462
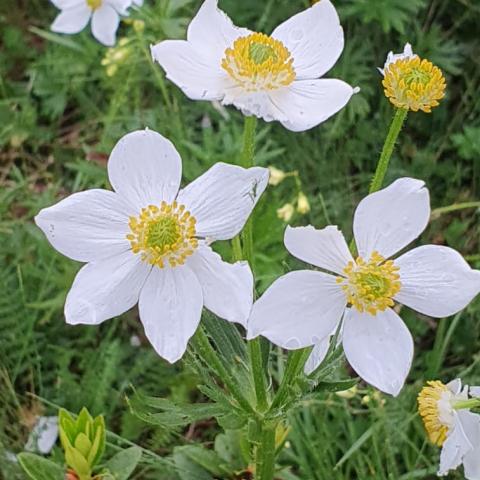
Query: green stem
296,361
256,361
265,455
453,208
209,355
471,403
387,150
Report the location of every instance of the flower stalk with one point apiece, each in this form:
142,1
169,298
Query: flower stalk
387,150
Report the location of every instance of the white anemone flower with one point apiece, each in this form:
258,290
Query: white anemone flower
105,16
148,242
273,77
304,308
445,410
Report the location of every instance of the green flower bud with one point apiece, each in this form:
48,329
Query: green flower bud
83,441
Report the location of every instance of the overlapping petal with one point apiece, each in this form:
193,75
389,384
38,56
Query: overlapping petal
388,220
317,356
191,70
379,348
298,310
145,168
227,288
314,37
436,280
73,19
105,289
325,248
170,309
88,225
105,21
222,199
307,103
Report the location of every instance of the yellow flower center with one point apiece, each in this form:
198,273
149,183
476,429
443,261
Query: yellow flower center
258,62
370,286
163,234
414,84
429,409
94,4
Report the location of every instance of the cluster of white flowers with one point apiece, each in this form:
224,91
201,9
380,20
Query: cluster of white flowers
148,241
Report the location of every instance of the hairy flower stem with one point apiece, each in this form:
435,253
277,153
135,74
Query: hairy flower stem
387,150
265,451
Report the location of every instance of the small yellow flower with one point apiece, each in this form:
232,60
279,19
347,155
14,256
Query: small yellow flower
348,394
286,212
303,205
276,175
412,83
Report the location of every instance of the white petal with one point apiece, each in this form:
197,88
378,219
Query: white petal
105,21
222,199
456,446
325,248
227,288
121,6
471,461
145,168
393,57
72,20
170,310
379,348
211,32
298,310
314,37
475,391
66,4
436,280
191,69
455,386
105,289
88,225
306,103
388,220
317,356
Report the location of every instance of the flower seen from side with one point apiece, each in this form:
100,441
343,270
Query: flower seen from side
451,425
149,241
274,77
412,83
356,296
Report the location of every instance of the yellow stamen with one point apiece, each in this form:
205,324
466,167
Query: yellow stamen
258,62
94,4
370,286
428,407
414,84
163,234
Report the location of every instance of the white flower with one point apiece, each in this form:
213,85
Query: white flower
148,242
272,77
105,15
445,410
304,308
393,57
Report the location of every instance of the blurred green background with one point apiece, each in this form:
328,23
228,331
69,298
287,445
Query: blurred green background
61,111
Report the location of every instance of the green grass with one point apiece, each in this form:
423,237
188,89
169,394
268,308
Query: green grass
60,115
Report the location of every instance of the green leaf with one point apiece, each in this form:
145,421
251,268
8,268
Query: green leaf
338,386
39,468
186,468
122,465
207,459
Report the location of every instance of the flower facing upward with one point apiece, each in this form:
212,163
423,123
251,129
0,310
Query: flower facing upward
274,77
412,83
148,242
446,415
305,308
105,16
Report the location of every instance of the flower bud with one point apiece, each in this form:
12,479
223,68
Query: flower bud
83,441
303,205
286,212
276,175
